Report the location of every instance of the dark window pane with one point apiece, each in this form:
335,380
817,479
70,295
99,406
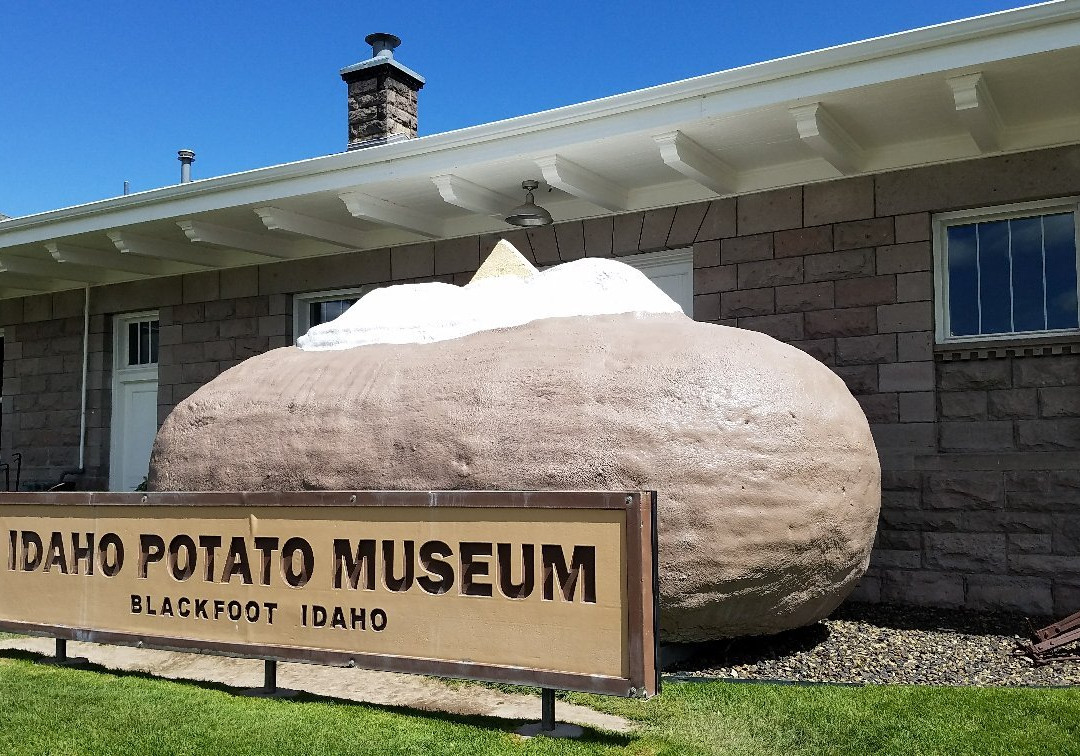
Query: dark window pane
1027,276
324,312
144,342
1060,241
963,282
340,306
154,341
133,343
994,278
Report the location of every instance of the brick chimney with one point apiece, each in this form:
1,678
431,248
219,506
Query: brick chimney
382,96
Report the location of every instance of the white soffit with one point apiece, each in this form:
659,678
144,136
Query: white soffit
876,105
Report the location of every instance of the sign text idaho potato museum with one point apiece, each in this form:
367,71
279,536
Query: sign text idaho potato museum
544,588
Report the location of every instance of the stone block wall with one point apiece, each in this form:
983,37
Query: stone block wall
43,347
996,504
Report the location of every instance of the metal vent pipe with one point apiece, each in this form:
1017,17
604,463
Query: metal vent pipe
186,158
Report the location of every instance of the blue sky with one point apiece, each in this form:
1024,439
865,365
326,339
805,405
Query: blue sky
98,92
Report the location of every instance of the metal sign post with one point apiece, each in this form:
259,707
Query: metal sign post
270,688
547,725
61,659
547,711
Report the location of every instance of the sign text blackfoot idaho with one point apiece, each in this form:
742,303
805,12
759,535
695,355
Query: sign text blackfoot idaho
544,588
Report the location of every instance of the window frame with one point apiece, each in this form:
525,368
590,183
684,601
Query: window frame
682,256
301,319
121,340
661,258
941,224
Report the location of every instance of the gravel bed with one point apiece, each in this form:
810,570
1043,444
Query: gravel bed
876,643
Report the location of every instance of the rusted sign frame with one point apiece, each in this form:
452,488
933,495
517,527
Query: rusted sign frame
642,588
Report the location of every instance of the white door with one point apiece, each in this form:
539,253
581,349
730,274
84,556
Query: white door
671,271
135,384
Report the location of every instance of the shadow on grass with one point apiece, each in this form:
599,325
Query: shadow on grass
480,721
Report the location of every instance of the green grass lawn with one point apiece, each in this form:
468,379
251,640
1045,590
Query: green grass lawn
46,710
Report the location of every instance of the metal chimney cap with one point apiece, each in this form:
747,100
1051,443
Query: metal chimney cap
382,54
382,44
185,155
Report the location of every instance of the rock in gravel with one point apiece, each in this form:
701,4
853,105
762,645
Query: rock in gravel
767,475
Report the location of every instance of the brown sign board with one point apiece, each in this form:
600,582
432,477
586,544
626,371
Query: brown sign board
556,589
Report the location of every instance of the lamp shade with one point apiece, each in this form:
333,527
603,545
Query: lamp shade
529,214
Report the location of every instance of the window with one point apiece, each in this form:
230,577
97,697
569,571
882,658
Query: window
136,341
672,271
321,307
1007,272
142,342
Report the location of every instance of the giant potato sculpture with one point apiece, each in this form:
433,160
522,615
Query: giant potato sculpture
767,475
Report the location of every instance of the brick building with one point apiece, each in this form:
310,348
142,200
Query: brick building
904,209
